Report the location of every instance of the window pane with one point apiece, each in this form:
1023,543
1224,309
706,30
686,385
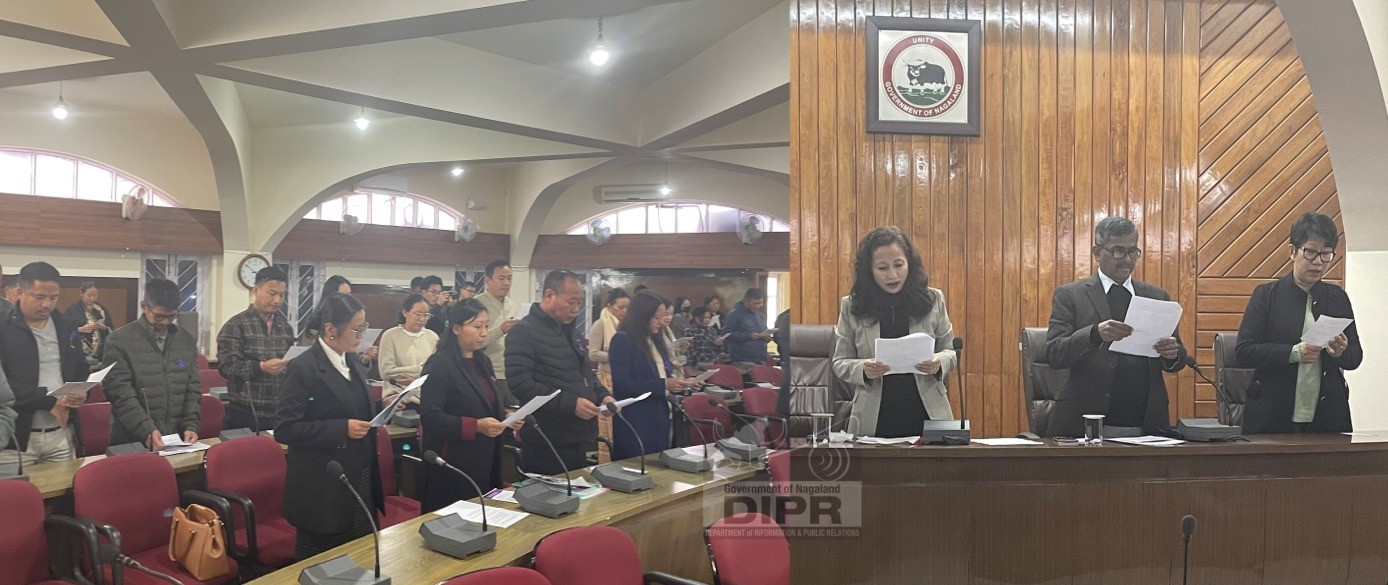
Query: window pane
331,210
16,172
779,226
722,219
94,183
447,221
381,212
312,214
124,187
357,205
631,221
54,176
579,231
427,216
690,219
404,212
663,219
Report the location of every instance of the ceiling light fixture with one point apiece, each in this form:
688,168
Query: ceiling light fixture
457,171
598,53
665,189
60,109
362,121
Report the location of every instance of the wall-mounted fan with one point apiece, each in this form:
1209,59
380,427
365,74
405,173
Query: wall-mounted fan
349,226
598,232
466,231
133,205
749,229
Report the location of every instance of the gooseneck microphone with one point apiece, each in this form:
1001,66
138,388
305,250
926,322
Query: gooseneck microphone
1187,529
19,461
108,553
536,497
617,414
568,481
335,470
432,457
1190,361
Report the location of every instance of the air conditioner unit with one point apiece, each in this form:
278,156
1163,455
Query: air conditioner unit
646,193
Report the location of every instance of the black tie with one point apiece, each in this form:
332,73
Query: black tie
1118,300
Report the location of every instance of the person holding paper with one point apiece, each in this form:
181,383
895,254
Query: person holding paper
40,351
461,410
641,364
703,350
154,388
325,412
543,355
746,328
336,284
601,331
406,347
1299,384
250,352
891,298
1086,318
503,312
92,320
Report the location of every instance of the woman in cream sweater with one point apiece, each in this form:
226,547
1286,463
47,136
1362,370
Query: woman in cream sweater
600,334
405,347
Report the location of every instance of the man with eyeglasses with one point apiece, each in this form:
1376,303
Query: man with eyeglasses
431,288
1086,318
154,388
1299,387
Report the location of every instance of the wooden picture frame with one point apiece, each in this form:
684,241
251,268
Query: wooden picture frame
923,75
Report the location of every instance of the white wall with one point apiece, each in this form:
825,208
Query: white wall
73,261
1366,280
489,184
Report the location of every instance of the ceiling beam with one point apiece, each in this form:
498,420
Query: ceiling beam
36,34
68,72
768,99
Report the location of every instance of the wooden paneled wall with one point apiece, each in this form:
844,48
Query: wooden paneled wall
1090,108
313,239
26,220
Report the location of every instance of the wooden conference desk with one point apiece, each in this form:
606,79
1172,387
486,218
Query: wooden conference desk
667,523
1295,509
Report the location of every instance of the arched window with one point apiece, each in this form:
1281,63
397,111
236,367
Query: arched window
49,174
679,217
387,208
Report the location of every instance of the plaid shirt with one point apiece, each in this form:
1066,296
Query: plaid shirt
702,349
242,344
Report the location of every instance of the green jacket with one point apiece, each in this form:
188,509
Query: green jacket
169,381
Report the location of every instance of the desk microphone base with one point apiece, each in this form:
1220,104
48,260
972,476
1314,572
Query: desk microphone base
126,449
740,450
945,432
456,537
539,498
1206,429
340,570
681,460
614,476
11,471
231,434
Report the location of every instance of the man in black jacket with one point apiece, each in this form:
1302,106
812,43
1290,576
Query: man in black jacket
543,355
39,352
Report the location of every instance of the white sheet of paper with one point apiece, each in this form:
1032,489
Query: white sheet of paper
174,440
887,441
625,401
194,448
472,512
524,310
701,378
101,375
903,353
73,389
530,407
501,495
295,351
713,453
1009,442
1147,441
1325,329
383,417
368,339
1151,320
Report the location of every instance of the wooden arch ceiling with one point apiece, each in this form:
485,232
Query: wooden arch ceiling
1195,118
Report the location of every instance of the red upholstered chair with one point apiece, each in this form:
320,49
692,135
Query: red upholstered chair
765,374
94,426
23,540
778,465
748,549
129,497
210,416
500,576
702,409
249,472
761,402
595,554
97,394
398,508
727,377
203,363
211,379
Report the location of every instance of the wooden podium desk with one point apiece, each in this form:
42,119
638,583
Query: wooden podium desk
667,522
1294,509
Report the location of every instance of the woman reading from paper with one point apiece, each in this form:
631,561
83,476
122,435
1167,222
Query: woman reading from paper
891,298
1299,384
405,347
460,410
641,364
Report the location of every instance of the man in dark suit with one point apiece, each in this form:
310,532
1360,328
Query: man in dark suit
1086,318
1299,387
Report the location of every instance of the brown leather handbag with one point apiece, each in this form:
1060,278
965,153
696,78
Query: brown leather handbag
197,541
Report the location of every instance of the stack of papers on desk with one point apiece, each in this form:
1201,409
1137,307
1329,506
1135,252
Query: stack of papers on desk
472,512
1148,440
888,441
1009,442
175,445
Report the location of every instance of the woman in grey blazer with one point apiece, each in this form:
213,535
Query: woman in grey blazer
892,298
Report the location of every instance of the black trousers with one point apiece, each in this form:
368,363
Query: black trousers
241,417
537,458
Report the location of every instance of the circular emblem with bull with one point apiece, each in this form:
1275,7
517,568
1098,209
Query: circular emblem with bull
923,76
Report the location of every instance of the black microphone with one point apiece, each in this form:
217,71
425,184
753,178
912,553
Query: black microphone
1187,529
144,402
749,418
718,427
1190,361
568,482
432,457
335,469
959,381
617,413
108,553
19,461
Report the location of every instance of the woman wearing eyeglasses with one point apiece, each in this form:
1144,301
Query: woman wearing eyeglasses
405,347
1299,387
325,412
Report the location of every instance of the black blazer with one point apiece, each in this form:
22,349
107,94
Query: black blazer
1271,326
19,355
314,406
450,402
1076,309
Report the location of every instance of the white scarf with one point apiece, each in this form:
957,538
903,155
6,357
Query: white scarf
655,355
610,327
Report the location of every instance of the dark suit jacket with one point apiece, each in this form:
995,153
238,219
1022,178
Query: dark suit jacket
19,355
634,374
450,403
1076,309
1271,326
314,406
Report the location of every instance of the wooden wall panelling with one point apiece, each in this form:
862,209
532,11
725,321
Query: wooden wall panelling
1192,118
314,239
27,220
717,250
